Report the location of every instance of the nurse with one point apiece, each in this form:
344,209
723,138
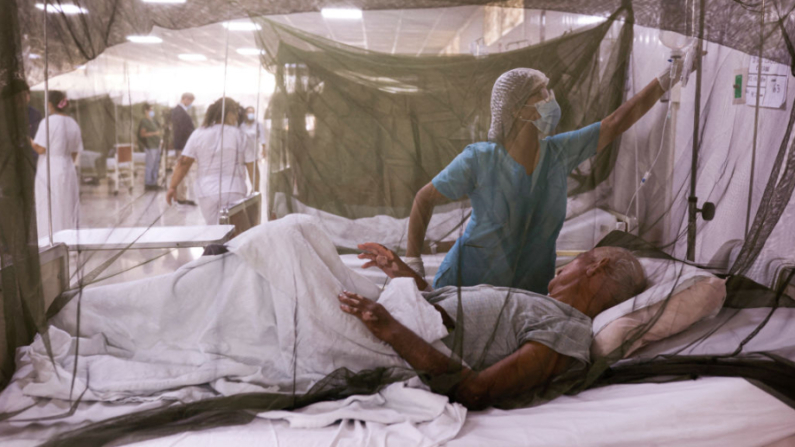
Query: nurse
224,155
64,144
516,183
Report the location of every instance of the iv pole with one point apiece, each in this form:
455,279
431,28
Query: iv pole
692,201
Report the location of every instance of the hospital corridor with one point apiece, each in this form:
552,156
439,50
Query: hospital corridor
397,223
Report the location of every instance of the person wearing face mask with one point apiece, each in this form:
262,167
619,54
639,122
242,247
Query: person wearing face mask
516,183
149,139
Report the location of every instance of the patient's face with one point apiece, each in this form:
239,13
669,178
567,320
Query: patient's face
572,273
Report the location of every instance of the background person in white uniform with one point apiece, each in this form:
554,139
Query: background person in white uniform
255,131
222,165
65,142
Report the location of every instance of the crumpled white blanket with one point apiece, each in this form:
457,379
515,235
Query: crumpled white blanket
391,232
263,317
407,401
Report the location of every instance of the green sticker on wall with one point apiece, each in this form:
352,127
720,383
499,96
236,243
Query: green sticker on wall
738,86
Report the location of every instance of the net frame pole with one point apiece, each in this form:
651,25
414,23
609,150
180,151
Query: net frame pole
756,118
257,143
223,217
47,122
129,98
692,201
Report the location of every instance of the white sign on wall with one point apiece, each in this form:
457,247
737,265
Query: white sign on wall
773,92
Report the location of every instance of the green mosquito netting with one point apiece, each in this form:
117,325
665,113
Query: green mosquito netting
353,136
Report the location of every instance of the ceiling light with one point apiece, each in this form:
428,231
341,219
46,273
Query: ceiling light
242,26
192,57
144,39
81,67
34,56
341,13
164,1
65,8
249,51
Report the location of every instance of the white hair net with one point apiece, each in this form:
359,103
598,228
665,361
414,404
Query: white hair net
510,91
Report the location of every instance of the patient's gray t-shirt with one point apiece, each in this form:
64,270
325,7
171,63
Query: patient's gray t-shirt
498,320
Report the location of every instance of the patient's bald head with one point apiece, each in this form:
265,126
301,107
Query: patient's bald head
604,276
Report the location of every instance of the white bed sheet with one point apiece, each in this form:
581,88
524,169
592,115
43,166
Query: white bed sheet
578,233
704,412
581,230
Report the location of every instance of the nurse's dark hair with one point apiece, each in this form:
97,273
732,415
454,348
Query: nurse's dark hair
58,99
213,115
147,106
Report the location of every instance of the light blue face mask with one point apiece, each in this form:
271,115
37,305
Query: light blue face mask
550,114
151,114
250,116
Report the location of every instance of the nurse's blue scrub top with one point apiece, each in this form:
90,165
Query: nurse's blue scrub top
516,218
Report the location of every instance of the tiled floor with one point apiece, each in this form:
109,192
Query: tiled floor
100,208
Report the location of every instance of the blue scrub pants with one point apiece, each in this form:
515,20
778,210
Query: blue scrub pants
152,166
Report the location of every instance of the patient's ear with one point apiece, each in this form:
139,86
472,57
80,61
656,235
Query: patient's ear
597,267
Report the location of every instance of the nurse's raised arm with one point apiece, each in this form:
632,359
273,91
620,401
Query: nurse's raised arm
631,111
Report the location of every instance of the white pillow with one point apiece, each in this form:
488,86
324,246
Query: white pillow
695,294
661,277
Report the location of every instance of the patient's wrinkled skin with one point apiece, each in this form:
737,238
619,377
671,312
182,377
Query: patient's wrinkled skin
593,282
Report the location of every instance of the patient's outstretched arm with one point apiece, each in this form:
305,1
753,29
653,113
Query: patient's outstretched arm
531,365
389,263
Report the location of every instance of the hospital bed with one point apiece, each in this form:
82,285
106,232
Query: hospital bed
120,168
585,225
243,214
134,238
702,412
54,269
90,169
134,241
769,269
579,233
707,411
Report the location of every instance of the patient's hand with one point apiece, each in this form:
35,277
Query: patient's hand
385,259
389,263
375,316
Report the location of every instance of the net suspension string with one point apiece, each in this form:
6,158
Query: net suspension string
47,122
756,118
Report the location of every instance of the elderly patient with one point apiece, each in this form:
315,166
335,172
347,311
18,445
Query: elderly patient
530,337
266,317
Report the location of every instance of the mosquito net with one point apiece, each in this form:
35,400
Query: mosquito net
621,213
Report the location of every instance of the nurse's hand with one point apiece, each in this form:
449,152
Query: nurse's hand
172,192
38,149
385,259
